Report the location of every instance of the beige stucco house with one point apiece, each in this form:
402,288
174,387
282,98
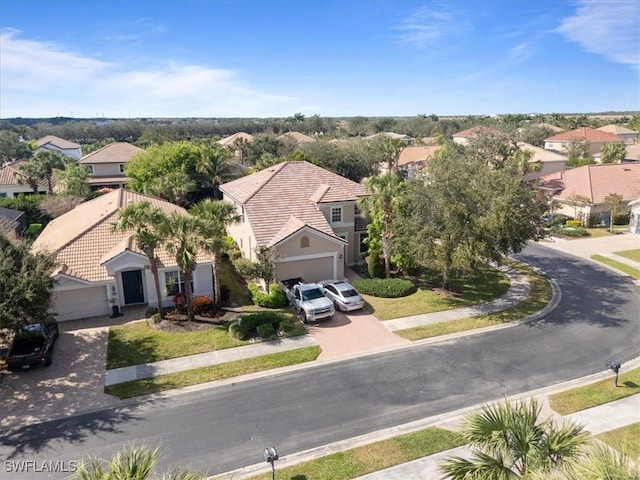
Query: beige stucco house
99,270
306,212
626,134
106,165
592,183
51,142
549,161
594,140
10,185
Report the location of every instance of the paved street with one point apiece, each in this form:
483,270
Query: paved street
223,428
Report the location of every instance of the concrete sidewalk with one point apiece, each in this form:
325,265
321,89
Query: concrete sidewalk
623,260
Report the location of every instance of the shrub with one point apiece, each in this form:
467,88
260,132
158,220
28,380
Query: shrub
385,287
594,219
247,326
569,232
573,223
203,305
155,318
553,219
150,311
266,330
286,325
375,267
274,299
32,231
621,219
180,302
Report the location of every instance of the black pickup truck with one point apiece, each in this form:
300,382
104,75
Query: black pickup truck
31,345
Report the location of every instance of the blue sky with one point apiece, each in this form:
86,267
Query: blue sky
168,58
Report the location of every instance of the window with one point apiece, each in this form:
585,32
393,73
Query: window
174,282
304,242
90,168
3,195
121,167
336,214
363,248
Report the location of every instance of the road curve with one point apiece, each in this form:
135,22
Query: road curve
226,427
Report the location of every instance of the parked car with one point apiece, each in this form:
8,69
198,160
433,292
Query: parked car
307,299
31,345
344,297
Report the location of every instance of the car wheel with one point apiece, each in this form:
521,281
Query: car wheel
337,305
49,359
304,316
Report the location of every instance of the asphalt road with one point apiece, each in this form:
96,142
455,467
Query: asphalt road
227,427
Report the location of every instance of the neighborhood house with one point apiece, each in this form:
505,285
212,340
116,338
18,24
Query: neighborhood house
305,212
65,147
106,165
100,271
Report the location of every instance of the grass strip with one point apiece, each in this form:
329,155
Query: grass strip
624,268
630,254
539,296
213,372
597,393
625,439
479,288
371,458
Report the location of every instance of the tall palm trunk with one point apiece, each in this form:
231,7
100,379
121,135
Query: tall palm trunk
153,260
188,293
216,280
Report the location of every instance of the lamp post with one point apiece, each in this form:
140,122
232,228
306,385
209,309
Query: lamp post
270,456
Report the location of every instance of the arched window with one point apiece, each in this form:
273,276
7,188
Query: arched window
304,242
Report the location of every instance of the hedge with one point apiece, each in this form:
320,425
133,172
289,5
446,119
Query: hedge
274,299
385,287
262,324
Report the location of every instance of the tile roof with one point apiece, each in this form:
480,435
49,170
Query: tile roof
596,181
272,196
584,133
56,142
297,137
82,238
230,140
473,131
540,154
416,154
117,152
7,225
397,136
11,213
617,130
9,172
633,152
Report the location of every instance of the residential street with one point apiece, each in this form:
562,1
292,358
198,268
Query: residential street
226,427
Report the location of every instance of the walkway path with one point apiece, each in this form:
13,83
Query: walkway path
623,260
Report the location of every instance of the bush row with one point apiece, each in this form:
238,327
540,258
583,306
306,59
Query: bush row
274,299
569,232
262,324
385,287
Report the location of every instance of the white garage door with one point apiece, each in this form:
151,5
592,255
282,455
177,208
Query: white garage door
81,303
312,270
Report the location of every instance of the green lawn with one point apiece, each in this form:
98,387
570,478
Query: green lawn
539,296
597,393
483,287
625,439
370,458
624,268
138,343
630,254
213,372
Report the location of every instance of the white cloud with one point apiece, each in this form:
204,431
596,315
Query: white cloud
520,52
608,28
43,79
427,25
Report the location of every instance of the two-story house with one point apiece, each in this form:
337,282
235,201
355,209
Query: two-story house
594,140
106,165
308,214
51,142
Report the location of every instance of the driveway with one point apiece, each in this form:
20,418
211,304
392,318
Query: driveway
585,247
74,381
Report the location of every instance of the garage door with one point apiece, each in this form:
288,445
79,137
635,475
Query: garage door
81,303
312,270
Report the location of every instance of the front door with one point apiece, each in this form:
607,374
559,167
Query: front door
132,285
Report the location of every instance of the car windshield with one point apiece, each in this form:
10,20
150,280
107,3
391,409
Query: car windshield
312,294
349,293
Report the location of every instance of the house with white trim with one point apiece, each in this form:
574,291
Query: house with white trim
100,270
51,142
308,214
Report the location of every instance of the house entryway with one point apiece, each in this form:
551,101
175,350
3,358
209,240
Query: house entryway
132,287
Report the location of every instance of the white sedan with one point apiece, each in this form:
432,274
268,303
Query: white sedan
342,294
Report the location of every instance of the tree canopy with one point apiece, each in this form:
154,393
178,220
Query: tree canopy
26,284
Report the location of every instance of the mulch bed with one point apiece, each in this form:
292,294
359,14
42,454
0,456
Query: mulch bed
178,324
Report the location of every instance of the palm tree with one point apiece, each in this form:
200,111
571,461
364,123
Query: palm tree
214,164
520,160
216,215
146,222
601,462
29,173
509,441
185,236
384,192
48,161
130,463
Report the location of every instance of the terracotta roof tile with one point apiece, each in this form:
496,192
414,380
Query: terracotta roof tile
473,131
230,140
297,137
82,237
117,152
56,142
617,130
417,154
9,174
596,182
271,196
586,134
